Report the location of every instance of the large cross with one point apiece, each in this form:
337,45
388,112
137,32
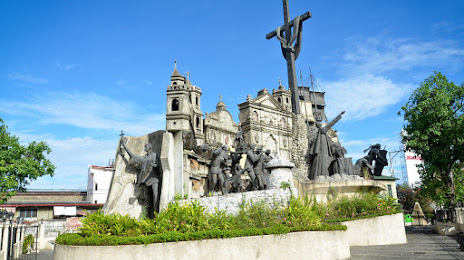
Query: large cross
289,49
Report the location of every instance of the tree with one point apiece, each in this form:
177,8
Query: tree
20,164
434,124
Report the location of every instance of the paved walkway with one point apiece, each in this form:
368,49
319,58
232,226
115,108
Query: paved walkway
423,243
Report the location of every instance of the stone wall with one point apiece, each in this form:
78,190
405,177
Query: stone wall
231,202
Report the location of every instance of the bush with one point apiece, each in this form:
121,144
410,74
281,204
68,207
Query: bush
189,221
360,206
172,236
28,242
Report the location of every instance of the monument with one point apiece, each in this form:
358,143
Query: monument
211,158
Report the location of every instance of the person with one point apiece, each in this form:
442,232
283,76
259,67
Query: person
321,150
148,174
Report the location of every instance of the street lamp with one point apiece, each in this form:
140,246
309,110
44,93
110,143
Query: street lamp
5,215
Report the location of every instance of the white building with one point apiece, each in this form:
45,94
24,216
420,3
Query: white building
98,183
412,161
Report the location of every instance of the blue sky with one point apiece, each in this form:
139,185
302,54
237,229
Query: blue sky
74,73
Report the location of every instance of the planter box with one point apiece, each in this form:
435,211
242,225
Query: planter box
297,245
383,230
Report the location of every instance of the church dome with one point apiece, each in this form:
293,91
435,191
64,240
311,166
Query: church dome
220,106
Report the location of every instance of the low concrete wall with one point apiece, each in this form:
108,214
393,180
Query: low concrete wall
383,230
298,245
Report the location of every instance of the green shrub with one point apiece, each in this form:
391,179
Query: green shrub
172,236
28,242
189,221
359,206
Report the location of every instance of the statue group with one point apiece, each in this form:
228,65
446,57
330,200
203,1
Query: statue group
366,167
225,174
328,157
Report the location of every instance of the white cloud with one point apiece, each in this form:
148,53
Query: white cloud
362,96
86,110
121,82
68,67
381,54
27,78
72,157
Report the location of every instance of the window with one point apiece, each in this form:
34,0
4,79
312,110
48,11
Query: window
301,97
390,190
95,201
198,122
286,100
175,105
279,100
196,100
96,186
28,213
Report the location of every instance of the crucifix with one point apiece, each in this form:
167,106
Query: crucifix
290,48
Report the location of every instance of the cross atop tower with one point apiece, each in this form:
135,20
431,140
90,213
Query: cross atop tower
290,48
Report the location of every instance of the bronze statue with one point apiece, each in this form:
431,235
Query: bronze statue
218,173
290,36
377,155
258,169
321,150
266,158
249,165
237,171
362,168
148,174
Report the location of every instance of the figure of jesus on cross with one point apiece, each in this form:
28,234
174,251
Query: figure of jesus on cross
290,48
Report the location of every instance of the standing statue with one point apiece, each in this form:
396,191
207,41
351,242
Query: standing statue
148,175
249,165
237,171
266,159
321,150
258,169
377,155
217,173
239,140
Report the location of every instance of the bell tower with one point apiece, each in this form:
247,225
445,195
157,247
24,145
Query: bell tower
183,106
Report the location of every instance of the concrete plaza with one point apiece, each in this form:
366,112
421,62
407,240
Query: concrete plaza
423,243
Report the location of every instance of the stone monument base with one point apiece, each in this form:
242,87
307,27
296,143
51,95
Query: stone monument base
321,189
231,202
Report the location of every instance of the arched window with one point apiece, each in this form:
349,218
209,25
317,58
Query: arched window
196,100
198,122
287,100
280,100
175,105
